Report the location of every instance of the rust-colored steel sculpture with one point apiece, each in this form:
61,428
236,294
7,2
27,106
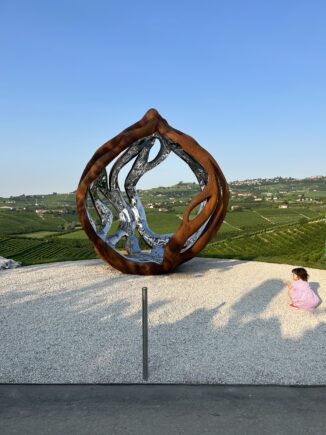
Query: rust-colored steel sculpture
97,194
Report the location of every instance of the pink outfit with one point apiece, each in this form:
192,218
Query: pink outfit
303,296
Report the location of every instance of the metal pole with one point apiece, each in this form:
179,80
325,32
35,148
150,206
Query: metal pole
145,333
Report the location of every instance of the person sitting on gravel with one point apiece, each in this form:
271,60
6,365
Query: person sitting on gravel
300,293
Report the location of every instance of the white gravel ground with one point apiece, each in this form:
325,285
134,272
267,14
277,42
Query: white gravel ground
212,321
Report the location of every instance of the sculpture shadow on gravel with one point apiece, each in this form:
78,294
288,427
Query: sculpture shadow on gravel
76,336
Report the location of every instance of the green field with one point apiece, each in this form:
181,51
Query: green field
37,251
158,222
38,234
263,217
302,244
74,235
163,222
253,230
19,222
236,222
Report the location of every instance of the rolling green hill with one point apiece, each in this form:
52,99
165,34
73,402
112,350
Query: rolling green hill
302,244
36,251
267,219
18,222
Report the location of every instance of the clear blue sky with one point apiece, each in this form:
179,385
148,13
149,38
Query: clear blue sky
246,78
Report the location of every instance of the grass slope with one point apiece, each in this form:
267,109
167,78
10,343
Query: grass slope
37,251
297,244
301,244
27,222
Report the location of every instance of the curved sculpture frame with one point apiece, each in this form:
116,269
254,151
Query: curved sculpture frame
167,251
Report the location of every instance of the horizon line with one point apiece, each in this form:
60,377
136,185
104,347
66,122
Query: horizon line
311,177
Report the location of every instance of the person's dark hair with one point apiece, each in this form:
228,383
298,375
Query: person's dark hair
301,272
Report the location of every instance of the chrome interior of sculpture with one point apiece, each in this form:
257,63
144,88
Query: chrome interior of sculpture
105,191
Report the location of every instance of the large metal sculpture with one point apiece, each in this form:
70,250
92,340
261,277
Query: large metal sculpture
97,194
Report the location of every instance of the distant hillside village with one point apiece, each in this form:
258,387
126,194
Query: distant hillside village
281,191
259,181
